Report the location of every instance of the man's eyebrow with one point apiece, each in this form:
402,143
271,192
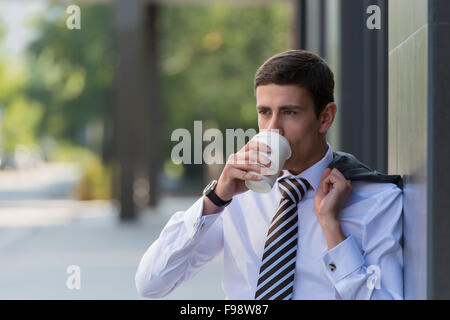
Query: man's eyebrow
289,106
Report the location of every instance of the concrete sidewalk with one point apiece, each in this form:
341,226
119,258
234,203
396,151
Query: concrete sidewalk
43,232
34,260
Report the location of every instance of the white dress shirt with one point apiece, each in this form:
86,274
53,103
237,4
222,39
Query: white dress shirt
366,265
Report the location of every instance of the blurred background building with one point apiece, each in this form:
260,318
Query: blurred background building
86,118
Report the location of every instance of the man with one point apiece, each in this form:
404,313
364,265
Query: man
315,235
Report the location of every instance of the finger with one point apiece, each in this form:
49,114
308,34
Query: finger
259,158
238,161
323,186
337,176
349,182
243,175
326,188
252,157
248,167
332,178
325,174
257,146
337,180
330,182
337,173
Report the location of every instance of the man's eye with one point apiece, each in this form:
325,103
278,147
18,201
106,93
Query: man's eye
263,112
290,112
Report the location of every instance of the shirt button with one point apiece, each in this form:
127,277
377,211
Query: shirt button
202,226
332,266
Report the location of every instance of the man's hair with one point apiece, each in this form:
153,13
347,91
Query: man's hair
302,68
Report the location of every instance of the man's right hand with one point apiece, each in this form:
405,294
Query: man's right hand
235,173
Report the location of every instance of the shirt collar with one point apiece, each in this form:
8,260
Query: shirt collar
313,173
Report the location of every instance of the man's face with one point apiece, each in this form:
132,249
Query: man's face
290,109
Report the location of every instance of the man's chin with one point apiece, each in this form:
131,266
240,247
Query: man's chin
287,166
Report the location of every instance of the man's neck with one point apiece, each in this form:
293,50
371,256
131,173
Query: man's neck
321,151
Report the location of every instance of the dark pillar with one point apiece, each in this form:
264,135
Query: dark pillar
363,84
137,120
309,26
299,24
127,25
361,72
438,149
155,128
375,89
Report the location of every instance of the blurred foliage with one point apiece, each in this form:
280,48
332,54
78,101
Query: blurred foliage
209,56
20,116
71,75
66,152
95,182
12,81
20,121
71,71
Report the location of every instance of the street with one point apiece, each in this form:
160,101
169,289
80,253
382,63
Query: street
44,230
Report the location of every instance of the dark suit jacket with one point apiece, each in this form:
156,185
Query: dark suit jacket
354,170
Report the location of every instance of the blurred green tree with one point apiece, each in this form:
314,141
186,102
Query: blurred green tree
71,72
71,76
19,116
209,56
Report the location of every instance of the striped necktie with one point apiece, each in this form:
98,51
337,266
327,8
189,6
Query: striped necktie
276,274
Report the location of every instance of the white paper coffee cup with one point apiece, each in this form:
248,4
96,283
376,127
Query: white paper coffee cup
281,151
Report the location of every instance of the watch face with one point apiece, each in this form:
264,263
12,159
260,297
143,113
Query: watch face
209,187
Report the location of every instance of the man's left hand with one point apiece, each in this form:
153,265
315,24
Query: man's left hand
332,193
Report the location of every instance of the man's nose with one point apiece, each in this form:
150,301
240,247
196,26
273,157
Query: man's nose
275,125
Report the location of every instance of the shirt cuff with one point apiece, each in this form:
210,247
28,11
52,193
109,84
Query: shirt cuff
343,259
197,222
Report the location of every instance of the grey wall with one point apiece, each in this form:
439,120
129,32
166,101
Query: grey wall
419,48
332,49
407,131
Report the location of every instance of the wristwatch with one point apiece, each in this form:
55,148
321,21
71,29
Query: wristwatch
209,192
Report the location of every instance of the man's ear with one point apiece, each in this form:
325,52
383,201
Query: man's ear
327,116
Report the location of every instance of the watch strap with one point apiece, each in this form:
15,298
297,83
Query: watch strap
217,200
